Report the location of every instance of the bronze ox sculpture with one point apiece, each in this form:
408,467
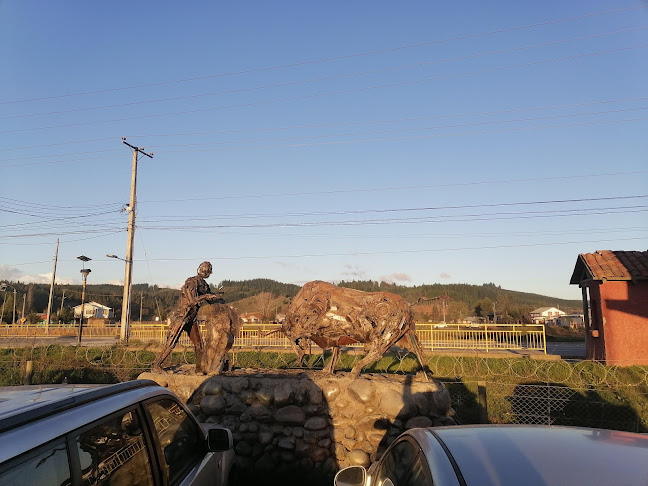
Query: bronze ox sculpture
222,325
333,316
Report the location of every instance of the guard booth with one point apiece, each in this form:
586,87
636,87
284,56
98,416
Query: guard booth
615,305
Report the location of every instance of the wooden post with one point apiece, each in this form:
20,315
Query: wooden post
29,371
483,404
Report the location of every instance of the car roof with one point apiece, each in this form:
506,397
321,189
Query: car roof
23,404
544,455
62,409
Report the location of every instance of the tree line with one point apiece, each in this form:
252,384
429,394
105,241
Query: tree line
434,302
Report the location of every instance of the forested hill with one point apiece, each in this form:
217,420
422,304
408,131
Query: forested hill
262,295
470,294
240,289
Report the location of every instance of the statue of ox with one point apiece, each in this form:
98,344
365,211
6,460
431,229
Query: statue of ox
221,326
333,316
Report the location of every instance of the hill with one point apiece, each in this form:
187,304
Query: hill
269,297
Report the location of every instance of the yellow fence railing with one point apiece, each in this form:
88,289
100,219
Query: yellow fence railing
482,337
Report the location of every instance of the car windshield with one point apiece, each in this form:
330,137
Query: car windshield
547,456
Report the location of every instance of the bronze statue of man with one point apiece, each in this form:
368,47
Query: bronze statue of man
195,291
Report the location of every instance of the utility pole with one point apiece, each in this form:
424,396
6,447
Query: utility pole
128,275
51,294
141,302
62,300
22,317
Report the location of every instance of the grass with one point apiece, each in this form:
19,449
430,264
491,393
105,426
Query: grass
595,394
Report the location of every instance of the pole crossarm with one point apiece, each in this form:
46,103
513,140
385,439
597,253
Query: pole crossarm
137,149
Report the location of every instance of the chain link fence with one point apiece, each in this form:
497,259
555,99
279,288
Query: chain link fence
505,390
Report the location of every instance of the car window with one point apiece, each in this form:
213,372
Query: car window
49,467
397,464
180,439
419,475
114,453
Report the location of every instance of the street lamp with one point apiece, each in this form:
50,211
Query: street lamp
125,315
84,271
3,287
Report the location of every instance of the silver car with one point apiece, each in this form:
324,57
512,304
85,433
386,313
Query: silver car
132,434
507,455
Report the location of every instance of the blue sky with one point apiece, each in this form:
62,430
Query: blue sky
456,142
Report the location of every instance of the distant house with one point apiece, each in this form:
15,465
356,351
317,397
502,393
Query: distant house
251,317
614,286
572,321
94,310
546,315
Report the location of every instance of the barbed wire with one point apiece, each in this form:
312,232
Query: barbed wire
131,361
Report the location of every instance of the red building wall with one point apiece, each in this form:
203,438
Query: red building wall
619,312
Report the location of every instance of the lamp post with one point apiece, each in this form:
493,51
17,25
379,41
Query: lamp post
125,315
84,271
3,287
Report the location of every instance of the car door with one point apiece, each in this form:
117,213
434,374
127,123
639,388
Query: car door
404,464
47,465
181,445
114,451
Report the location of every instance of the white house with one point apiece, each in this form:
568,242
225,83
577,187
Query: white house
94,310
546,315
251,318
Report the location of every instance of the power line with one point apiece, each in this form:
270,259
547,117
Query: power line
335,92
335,58
330,125
324,78
397,252
399,130
579,242
7,200
424,208
413,137
398,188
370,140
415,220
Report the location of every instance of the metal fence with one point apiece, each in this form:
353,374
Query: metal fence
481,337
548,404
512,390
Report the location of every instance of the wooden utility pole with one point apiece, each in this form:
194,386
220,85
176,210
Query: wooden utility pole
62,300
51,294
128,275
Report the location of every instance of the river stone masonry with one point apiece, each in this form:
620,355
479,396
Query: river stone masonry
290,420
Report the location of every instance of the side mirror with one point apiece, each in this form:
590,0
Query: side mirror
351,476
219,440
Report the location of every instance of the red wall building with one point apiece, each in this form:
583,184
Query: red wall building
615,305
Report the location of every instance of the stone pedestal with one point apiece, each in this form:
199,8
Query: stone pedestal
307,421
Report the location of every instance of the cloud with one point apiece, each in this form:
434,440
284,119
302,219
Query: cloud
355,272
13,274
117,281
168,286
396,277
445,275
9,273
293,266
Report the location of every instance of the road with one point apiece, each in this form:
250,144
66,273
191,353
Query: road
567,350
93,341
562,349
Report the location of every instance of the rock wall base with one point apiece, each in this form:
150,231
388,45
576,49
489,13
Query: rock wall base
308,422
